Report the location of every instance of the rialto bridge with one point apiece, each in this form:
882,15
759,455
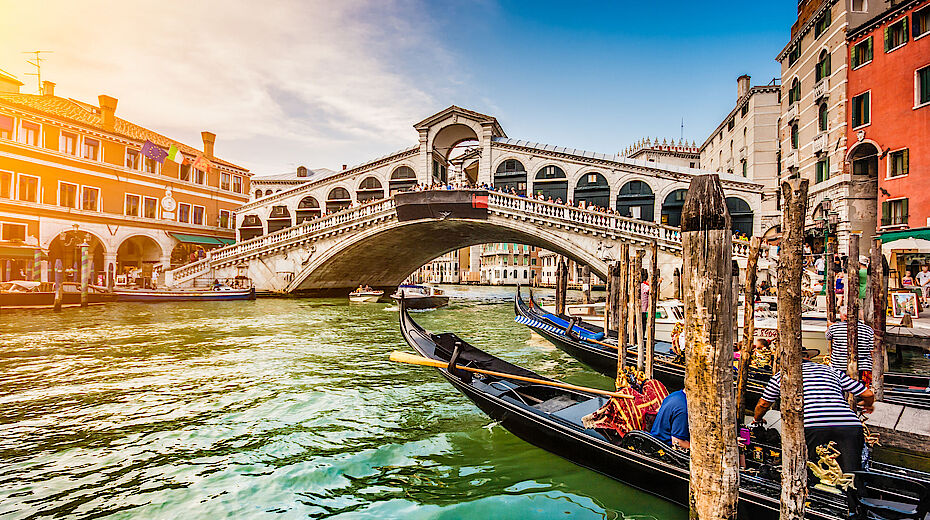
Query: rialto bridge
343,230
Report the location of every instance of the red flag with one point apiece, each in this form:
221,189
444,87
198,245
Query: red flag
202,164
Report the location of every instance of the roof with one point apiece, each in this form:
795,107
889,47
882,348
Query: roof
471,114
6,76
882,17
312,175
84,114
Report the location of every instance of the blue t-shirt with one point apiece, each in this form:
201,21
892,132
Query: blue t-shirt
672,419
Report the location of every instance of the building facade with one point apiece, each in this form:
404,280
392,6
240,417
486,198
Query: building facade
678,154
812,130
746,143
509,264
73,172
264,185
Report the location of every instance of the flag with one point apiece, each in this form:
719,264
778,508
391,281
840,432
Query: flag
202,164
152,151
174,154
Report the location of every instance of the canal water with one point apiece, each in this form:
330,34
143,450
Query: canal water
277,408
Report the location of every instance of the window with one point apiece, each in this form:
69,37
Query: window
132,159
894,212
67,195
28,188
67,143
90,198
823,66
91,149
794,95
184,172
131,206
184,213
13,232
199,176
197,217
822,117
258,194
150,165
730,125
822,24
922,86
861,53
921,22
6,127
29,133
150,207
860,110
896,34
745,168
592,178
224,181
6,185
225,219
897,163
823,169
794,136
858,6
794,54
237,184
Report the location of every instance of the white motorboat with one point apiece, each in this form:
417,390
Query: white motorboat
365,296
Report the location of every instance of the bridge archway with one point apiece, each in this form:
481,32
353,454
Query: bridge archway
308,209
338,198
402,179
636,200
511,174
551,182
449,142
671,208
592,189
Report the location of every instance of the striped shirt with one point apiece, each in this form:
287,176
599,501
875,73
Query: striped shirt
824,404
839,356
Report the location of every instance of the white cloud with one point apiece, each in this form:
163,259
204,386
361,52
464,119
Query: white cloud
281,82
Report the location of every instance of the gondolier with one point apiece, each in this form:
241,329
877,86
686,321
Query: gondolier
827,416
839,347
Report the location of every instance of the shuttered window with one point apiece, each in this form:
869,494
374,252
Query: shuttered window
921,22
860,110
923,86
897,163
823,169
896,35
862,53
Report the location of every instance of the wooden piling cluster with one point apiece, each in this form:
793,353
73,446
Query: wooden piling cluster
749,326
879,283
830,251
561,285
852,311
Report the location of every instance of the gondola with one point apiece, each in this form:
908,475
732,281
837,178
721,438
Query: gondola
550,418
903,389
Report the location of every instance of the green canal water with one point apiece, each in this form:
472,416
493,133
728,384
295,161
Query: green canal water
277,408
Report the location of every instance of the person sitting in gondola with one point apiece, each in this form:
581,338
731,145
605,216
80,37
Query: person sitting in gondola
671,423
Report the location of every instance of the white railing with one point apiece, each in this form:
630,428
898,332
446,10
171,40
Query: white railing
186,271
820,89
792,112
819,144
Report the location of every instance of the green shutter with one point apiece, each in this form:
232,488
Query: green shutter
904,28
827,68
855,112
866,119
854,56
904,162
887,38
924,85
886,213
904,213
868,50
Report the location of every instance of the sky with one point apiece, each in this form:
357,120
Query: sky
321,83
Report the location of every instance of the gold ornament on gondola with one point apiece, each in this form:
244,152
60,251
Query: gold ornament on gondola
828,470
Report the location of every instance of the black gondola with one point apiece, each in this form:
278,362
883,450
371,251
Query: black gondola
903,389
550,418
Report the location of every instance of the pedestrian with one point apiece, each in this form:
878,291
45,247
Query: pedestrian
820,265
923,280
837,335
839,288
827,416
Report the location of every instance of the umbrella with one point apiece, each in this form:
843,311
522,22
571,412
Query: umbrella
908,244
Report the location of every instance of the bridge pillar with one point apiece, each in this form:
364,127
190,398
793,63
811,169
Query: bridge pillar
424,169
484,164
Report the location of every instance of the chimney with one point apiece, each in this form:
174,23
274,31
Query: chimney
48,88
301,171
344,166
742,86
209,139
107,111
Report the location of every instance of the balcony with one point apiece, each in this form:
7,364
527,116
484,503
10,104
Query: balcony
821,89
819,144
791,160
792,113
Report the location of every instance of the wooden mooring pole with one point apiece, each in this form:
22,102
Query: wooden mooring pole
793,447
879,282
638,324
623,270
852,311
830,282
59,278
653,299
561,285
749,326
734,290
586,283
707,251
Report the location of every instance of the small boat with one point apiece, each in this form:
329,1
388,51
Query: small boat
668,313
551,418
25,294
223,293
421,296
589,344
365,296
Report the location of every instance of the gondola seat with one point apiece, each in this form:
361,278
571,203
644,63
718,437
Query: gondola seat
644,443
880,496
575,412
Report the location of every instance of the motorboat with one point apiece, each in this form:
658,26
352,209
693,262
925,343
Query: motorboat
365,296
668,313
421,296
551,419
219,293
26,294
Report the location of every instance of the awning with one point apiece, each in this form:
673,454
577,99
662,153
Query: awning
227,241
919,245
890,236
23,253
199,239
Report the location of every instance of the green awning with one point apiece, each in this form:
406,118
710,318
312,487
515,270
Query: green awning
890,236
21,253
198,239
227,241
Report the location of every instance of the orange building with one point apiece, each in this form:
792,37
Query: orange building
72,172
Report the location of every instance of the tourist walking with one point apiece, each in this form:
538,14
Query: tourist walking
923,280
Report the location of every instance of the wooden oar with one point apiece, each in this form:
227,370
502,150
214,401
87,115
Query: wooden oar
413,359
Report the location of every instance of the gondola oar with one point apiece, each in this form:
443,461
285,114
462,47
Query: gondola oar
413,359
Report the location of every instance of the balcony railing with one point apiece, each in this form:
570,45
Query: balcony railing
821,89
791,160
819,144
792,113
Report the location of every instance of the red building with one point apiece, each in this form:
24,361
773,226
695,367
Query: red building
888,122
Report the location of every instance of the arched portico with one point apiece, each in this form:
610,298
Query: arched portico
138,253
66,247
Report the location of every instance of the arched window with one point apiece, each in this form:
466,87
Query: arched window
794,95
338,199
370,189
822,117
402,179
268,192
671,208
794,136
636,200
740,214
511,174
593,190
279,218
551,182
251,227
258,194
823,66
308,209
